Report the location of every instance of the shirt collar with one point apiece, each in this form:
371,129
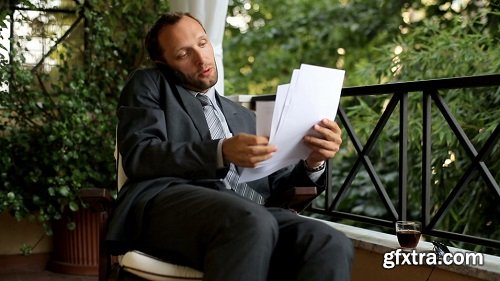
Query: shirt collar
210,93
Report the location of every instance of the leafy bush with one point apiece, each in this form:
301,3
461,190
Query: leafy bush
57,123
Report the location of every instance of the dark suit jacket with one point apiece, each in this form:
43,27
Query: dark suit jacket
164,140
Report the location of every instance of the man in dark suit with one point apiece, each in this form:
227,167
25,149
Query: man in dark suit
179,201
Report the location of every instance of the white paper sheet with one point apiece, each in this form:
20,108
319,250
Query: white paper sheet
313,94
281,95
264,111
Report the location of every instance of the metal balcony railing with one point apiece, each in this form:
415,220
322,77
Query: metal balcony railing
431,93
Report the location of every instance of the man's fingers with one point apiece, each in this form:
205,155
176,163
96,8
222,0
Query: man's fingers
328,129
259,153
333,144
254,161
262,149
330,124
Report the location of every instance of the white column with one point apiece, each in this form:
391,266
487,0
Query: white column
212,14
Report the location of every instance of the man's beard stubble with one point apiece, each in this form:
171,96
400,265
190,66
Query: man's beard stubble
195,85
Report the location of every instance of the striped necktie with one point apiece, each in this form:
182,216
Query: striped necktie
217,132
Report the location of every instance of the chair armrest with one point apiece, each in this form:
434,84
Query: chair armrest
297,198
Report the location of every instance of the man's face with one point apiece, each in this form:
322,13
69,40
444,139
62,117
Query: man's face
187,50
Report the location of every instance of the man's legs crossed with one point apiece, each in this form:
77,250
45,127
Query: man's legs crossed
309,250
227,237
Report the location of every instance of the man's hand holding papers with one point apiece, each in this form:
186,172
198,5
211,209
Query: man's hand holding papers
245,150
324,147
299,127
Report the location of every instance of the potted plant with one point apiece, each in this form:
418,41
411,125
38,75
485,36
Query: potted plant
57,137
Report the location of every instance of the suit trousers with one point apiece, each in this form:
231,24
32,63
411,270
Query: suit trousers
230,238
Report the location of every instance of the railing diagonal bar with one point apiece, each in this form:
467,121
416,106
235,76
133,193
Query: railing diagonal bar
368,147
477,164
489,178
454,125
59,40
363,156
380,124
379,187
346,184
486,150
355,168
453,196
350,130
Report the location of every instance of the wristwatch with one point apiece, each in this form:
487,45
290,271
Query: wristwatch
315,169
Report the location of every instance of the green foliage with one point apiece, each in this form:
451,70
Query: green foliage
464,46
302,31
57,123
26,250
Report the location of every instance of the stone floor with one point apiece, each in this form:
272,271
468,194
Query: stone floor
32,268
42,276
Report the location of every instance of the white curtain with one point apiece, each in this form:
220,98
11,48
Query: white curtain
212,14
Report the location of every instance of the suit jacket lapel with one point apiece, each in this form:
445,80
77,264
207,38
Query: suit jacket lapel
230,113
194,109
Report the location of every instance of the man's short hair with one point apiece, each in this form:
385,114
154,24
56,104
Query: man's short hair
152,43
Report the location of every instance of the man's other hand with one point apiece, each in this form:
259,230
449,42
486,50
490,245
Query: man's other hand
247,150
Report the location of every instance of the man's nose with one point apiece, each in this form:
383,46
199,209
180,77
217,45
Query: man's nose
198,56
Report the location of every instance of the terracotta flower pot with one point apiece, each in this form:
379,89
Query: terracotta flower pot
77,251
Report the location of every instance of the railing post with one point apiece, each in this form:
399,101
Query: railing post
329,185
426,158
403,156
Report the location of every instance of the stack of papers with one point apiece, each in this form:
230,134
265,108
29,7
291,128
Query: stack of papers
312,95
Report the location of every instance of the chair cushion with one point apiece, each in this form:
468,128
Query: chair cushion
151,268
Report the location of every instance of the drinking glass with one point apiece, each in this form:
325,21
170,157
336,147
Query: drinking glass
408,233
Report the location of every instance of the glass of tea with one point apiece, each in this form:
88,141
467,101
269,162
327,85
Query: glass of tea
408,233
